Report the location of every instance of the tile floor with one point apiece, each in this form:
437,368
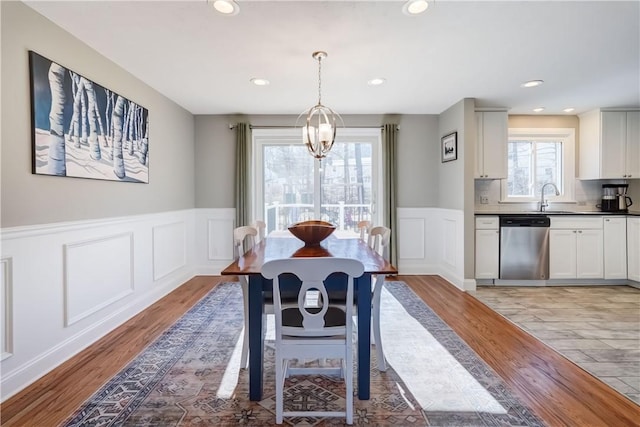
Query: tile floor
596,327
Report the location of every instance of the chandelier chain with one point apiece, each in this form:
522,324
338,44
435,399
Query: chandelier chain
319,79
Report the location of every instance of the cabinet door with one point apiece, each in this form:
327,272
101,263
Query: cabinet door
633,248
615,248
589,255
495,136
562,254
614,136
633,145
487,244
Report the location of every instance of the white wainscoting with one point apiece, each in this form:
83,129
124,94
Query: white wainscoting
66,285
169,249
93,282
431,241
214,240
6,316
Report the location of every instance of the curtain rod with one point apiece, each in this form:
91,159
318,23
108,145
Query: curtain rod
233,125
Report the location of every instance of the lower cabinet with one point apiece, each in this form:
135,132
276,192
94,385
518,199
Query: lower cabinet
615,247
633,248
487,247
576,249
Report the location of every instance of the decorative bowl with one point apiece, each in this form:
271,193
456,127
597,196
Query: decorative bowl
312,232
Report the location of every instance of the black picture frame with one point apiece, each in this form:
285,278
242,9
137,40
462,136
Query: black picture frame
449,147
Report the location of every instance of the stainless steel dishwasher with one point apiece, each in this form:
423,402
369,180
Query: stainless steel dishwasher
524,247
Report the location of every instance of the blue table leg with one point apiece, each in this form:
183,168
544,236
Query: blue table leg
256,345
363,285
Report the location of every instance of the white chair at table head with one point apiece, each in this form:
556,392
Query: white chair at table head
313,331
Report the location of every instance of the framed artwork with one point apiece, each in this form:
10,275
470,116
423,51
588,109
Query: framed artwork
449,147
83,130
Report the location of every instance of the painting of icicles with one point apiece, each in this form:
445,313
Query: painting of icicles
83,130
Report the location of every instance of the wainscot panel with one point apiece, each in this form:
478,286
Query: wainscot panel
213,240
66,285
431,241
92,284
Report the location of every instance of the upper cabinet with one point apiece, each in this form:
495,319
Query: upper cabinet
610,145
491,148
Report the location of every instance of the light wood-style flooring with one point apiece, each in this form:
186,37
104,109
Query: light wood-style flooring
557,390
596,327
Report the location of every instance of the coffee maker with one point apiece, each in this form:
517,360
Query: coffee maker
614,198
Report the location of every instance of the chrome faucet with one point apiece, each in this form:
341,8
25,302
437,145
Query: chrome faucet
545,203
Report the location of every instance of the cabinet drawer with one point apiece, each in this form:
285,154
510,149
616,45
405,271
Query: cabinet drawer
487,223
575,222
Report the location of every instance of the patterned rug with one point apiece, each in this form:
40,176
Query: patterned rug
190,376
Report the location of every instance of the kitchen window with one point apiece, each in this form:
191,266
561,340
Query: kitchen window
291,186
536,157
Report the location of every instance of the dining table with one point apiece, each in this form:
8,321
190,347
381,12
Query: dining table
282,244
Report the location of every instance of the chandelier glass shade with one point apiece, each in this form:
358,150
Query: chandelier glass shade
319,128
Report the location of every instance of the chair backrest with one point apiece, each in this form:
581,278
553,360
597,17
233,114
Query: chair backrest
364,227
379,238
261,226
313,316
244,237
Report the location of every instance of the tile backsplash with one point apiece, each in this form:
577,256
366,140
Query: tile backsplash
587,196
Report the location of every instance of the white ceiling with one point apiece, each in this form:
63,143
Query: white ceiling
587,52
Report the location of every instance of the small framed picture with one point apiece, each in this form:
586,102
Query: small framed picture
450,147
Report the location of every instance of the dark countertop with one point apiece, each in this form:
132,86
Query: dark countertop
552,212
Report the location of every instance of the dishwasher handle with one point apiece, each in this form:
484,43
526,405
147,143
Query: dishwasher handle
515,221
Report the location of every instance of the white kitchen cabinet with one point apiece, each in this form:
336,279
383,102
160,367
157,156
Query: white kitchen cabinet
487,247
615,247
576,249
610,145
491,148
633,248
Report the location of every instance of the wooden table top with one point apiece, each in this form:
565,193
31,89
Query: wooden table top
272,248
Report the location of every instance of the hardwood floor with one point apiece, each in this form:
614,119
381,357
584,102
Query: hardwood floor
560,393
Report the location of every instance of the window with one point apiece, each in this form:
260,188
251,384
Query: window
291,186
536,157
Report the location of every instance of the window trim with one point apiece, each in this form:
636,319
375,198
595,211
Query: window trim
286,136
567,137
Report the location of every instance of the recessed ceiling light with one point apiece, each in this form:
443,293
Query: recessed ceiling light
569,110
537,110
259,82
415,7
532,83
376,81
226,7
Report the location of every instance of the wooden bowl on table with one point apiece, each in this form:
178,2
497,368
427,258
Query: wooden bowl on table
312,232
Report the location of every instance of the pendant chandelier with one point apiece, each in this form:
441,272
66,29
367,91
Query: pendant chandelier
319,130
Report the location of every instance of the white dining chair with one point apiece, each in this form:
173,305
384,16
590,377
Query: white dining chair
379,238
261,226
244,239
364,227
313,328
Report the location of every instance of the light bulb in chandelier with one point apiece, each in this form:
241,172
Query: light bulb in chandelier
319,129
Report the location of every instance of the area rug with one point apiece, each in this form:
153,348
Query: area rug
191,376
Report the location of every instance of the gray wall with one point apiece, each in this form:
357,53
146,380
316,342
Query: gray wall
38,199
418,155
451,185
456,189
